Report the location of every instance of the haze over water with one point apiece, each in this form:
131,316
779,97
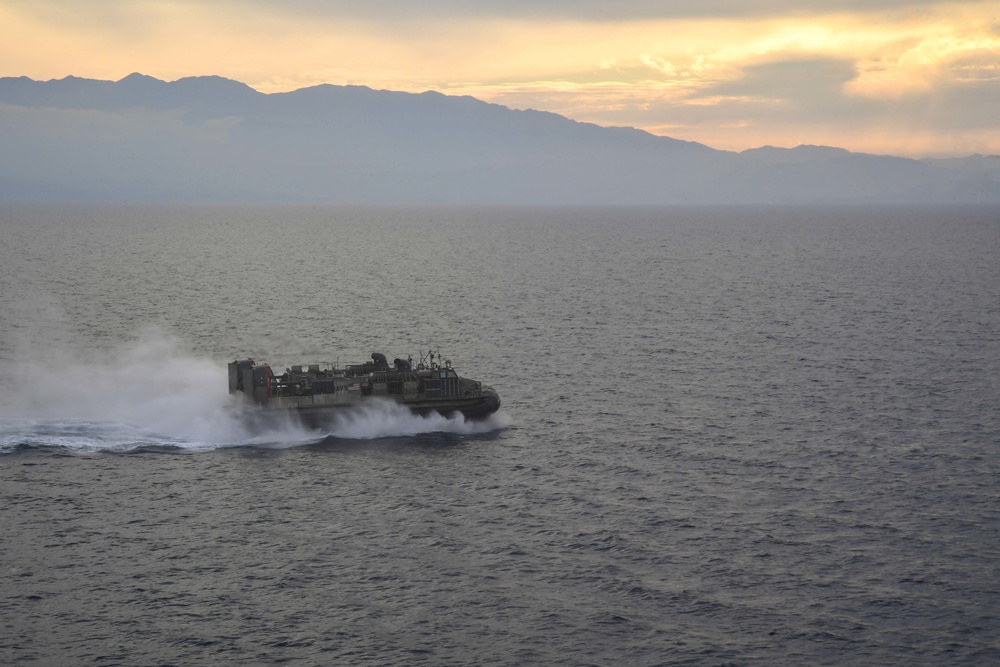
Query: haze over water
728,436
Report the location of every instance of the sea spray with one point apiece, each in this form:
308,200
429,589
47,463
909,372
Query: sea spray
152,383
381,418
153,392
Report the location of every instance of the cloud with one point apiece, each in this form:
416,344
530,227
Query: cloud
721,72
120,13
808,101
809,82
578,10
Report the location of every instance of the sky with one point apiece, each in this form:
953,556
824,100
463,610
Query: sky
916,78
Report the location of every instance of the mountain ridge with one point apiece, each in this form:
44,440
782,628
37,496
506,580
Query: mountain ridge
209,138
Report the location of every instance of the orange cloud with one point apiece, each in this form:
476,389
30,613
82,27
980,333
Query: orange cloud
647,73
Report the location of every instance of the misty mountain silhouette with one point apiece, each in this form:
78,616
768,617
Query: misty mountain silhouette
209,138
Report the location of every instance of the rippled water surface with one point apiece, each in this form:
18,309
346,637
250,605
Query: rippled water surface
728,437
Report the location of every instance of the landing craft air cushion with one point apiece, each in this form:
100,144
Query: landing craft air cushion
314,395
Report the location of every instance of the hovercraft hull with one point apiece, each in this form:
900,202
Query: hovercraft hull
315,395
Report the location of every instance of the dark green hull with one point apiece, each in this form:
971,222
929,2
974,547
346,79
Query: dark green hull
315,396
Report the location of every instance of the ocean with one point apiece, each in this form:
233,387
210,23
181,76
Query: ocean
729,436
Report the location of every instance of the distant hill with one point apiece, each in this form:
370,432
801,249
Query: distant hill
210,139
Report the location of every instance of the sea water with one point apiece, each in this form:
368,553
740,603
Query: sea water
758,436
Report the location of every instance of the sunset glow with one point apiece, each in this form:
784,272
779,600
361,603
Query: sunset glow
909,79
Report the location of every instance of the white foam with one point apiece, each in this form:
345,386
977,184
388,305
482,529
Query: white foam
153,392
379,419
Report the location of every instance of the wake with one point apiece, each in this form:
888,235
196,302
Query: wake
152,394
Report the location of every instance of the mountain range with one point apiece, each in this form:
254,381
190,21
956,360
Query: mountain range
211,139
